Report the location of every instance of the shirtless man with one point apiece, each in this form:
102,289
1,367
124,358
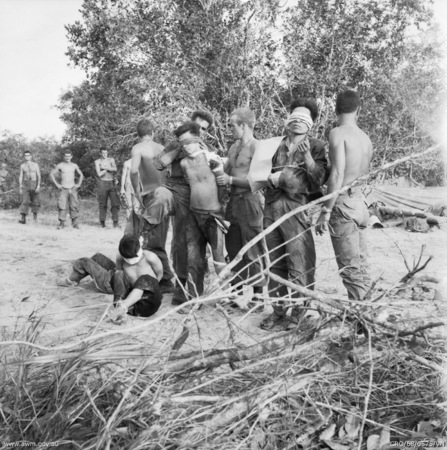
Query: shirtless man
133,280
68,189
350,151
175,195
145,180
205,223
127,192
244,210
29,186
106,169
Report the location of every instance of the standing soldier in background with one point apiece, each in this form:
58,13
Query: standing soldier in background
106,169
3,175
244,211
68,194
29,186
350,152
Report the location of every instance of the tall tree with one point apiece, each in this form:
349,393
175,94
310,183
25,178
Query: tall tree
164,58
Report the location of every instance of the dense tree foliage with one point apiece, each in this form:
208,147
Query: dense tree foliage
164,58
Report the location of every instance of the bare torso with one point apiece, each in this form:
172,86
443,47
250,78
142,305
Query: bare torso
67,174
143,267
358,151
30,171
143,155
204,192
104,164
239,160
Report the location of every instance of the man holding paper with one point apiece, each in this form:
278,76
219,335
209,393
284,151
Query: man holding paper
292,168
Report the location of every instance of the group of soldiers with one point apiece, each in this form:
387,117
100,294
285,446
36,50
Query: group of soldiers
67,177
63,177
266,180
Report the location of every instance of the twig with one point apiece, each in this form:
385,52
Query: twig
425,362
368,393
421,328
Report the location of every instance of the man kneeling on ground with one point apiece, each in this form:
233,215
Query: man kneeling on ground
133,280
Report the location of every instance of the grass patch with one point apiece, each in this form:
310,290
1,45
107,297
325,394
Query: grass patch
323,387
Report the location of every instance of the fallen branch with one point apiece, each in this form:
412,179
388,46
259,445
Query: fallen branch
422,328
231,355
245,407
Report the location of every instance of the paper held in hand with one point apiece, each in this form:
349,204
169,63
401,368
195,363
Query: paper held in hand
261,164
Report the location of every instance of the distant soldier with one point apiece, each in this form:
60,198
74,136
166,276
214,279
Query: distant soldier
3,175
68,194
106,169
350,151
29,182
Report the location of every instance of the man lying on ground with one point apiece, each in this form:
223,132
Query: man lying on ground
133,280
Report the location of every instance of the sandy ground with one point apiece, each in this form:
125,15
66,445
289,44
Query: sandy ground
34,255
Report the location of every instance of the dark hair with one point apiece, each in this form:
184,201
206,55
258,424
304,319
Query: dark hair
192,127
67,151
245,115
145,127
204,115
308,103
347,102
129,246
26,151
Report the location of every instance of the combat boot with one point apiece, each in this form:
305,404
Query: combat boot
23,219
61,225
35,217
74,223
